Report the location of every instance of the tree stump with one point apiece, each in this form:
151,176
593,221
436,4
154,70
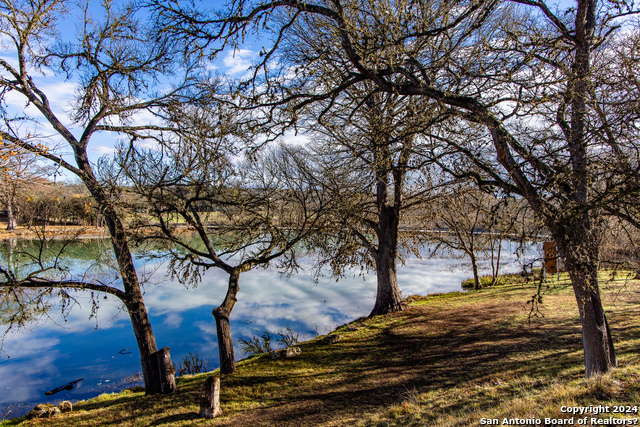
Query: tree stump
210,401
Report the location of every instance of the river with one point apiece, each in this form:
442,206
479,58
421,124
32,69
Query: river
102,349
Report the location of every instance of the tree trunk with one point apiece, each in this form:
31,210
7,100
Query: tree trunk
153,378
160,362
146,345
223,328
580,249
210,401
495,260
388,297
225,342
474,267
11,221
581,262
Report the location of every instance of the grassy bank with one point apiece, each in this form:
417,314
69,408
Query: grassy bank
449,360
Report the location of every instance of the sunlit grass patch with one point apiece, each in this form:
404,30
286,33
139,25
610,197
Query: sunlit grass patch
514,398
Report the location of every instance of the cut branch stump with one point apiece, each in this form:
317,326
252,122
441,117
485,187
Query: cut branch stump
161,363
210,401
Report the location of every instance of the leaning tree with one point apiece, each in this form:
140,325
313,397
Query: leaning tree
116,71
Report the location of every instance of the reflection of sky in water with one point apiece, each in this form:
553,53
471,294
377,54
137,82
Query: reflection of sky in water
50,355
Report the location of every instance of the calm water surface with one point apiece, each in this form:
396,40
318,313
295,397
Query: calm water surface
103,350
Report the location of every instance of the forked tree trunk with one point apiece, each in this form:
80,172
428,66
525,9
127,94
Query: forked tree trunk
388,296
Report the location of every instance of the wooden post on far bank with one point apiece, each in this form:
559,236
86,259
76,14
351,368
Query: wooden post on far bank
550,258
210,402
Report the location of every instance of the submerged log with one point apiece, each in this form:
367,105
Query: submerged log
67,386
210,401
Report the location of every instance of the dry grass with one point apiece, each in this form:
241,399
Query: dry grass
449,360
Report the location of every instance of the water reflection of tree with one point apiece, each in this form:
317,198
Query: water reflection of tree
211,212
553,91
114,62
43,274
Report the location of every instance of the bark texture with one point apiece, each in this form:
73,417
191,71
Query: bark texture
581,257
474,267
134,302
210,401
225,342
388,296
389,206
160,362
223,328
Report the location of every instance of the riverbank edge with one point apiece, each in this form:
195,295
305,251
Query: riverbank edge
55,232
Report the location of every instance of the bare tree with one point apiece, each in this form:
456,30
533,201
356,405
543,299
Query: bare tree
475,222
20,171
496,65
371,156
118,71
238,215
462,216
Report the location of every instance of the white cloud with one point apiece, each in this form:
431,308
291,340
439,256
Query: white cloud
239,61
293,138
101,150
36,370
173,320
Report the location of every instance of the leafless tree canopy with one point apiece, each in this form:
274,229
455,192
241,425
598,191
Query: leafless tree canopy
539,111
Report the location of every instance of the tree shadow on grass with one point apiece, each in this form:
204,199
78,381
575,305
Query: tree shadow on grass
425,351
451,347
103,404
171,419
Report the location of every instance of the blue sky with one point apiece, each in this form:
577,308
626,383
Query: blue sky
60,90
